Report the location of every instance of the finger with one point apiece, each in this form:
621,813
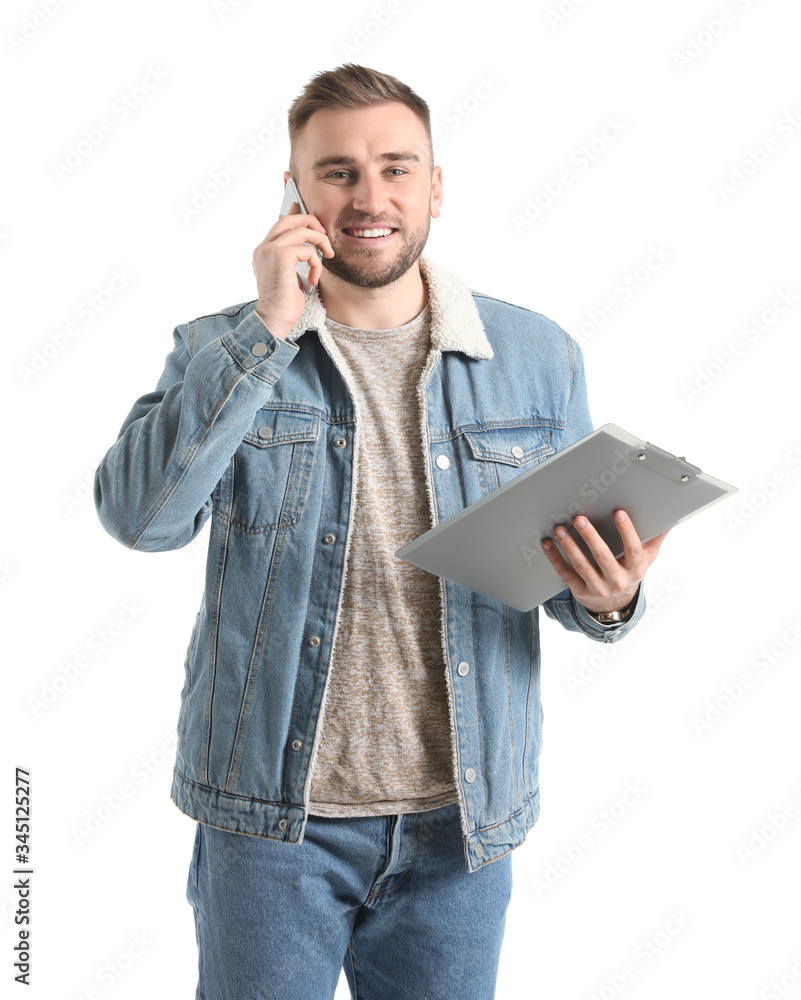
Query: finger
292,221
284,224
315,266
307,218
570,577
290,238
586,574
311,257
632,546
582,564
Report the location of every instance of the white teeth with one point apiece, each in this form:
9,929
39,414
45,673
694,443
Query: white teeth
371,232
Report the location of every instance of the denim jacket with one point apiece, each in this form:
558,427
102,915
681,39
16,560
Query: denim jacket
261,435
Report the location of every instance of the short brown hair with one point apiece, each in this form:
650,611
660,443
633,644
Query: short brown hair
352,86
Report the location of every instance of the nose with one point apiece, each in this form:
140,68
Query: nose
367,195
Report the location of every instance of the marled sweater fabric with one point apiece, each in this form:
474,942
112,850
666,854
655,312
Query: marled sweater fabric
385,744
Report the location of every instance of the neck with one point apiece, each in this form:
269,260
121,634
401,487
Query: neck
374,308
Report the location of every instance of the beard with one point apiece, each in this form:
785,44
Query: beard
363,266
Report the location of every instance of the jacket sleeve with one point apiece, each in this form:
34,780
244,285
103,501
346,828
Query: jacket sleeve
563,607
152,489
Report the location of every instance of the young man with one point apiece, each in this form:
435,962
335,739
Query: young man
358,739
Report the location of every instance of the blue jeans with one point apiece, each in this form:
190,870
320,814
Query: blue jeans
387,898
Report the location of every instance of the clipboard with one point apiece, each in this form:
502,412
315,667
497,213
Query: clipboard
493,545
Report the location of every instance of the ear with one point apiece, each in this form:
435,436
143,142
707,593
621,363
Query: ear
436,192
287,175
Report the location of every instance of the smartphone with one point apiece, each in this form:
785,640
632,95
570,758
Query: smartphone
291,194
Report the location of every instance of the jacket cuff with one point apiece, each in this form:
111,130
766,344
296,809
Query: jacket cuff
257,350
612,631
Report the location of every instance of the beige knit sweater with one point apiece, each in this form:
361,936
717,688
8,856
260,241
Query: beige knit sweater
385,740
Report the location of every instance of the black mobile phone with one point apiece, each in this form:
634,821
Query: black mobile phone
291,194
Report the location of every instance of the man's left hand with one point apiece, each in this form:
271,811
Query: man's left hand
613,583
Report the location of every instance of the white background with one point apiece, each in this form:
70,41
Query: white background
515,94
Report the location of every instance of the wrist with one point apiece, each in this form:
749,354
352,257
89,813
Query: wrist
275,329
614,615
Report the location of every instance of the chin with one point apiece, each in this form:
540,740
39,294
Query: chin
367,276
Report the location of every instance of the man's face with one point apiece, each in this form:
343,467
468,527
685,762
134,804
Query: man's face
369,169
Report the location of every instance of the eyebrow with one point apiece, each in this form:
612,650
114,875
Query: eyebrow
396,156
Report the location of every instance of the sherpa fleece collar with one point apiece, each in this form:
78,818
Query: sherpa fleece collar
455,322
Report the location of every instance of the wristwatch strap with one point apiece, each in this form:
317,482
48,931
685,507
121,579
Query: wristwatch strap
610,617
613,617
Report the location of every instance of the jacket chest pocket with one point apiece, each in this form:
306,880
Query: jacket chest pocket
271,469
495,455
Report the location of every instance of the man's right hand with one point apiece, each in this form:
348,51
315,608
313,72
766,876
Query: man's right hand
281,299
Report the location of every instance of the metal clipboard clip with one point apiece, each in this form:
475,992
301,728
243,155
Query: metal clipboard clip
676,468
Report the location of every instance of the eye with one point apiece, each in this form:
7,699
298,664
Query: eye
335,173
396,170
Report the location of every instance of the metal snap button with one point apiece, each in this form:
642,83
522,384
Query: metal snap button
443,461
315,640
258,350
283,824
463,668
470,774
265,432
517,451
296,744
340,443
478,850
329,539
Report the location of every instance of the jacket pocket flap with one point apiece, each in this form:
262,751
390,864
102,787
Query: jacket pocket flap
516,444
272,427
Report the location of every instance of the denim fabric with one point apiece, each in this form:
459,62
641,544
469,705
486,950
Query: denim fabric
261,435
387,898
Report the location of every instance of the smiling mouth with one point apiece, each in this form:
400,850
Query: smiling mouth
369,234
